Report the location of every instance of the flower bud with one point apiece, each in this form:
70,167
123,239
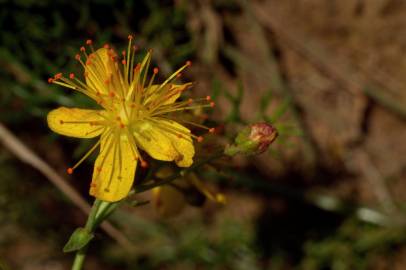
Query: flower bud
252,140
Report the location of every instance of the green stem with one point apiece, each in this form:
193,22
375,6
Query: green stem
79,259
90,226
169,179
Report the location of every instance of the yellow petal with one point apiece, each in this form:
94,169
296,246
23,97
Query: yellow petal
102,74
114,169
73,122
166,140
166,95
168,201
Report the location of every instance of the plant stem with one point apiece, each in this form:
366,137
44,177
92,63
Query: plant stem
90,226
169,179
79,259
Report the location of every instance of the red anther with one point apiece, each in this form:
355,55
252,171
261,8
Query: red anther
88,62
212,104
89,42
50,80
77,57
200,139
82,49
137,67
72,76
212,130
144,164
106,46
111,94
123,53
58,76
69,170
190,100
130,37
208,98
122,125
113,58
107,81
188,63
156,70
179,75
123,62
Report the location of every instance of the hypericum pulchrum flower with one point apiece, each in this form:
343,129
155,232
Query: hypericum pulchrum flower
135,115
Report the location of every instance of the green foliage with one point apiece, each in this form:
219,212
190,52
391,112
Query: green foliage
354,246
79,239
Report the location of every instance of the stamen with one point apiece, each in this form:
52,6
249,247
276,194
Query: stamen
71,169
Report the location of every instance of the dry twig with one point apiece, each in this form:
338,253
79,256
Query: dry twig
22,152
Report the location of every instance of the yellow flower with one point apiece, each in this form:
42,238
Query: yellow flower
135,115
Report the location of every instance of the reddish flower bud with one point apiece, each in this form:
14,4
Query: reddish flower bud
253,140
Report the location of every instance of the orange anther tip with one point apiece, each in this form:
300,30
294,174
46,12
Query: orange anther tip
178,75
77,56
88,62
89,42
122,125
212,104
82,49
188,63
111,94
50,80
144,164
123,62
130,37
106,46
123,52
212,130
69,170
156,70
58,76
72,76
200,139
208,98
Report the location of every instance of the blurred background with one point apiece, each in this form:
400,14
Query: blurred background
329,194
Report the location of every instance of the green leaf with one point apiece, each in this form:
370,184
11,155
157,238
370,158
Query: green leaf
80,238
